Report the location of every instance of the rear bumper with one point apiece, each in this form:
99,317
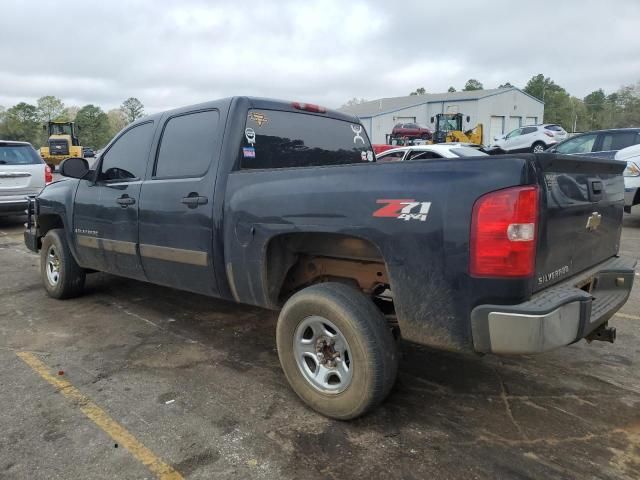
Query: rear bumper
13,206
557,316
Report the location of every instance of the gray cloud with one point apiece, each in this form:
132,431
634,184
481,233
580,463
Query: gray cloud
171,53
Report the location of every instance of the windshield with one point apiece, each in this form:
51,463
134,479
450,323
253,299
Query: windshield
60,129
467,152
18,155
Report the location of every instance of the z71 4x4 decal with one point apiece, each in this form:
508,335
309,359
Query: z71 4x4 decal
403,209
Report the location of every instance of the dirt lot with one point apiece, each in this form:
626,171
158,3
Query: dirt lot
188,386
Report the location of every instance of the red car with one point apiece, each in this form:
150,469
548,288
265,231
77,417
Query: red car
411,130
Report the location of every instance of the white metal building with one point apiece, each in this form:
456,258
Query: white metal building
499,110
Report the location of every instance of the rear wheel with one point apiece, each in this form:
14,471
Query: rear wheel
538,147
61,275
336,350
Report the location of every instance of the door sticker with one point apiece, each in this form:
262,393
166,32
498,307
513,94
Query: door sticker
404,209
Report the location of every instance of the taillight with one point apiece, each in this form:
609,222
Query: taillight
309,107
549,134
48,176
504,228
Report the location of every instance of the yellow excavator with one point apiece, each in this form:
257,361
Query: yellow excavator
62,143
449,129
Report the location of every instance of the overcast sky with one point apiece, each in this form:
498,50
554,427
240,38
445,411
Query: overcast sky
173,53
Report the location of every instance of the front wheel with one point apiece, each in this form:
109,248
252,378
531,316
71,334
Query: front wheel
538,147
61,275
337,350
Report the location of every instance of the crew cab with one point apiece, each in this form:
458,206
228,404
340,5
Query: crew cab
283,206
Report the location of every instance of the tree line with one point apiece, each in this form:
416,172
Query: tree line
94,127
595,111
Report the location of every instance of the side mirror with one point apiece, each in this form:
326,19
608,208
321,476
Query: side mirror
433,120
74,167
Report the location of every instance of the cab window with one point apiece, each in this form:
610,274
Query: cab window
187,145
581,144
514,133
391,156
619,140
126,159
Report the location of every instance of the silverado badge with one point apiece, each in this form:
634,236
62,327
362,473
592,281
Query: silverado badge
593,222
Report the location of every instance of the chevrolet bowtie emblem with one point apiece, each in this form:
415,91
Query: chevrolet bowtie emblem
593,222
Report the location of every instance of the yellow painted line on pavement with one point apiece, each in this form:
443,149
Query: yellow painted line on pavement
626,315
116,431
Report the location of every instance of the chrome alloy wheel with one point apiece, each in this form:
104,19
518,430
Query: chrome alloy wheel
53,266
323,355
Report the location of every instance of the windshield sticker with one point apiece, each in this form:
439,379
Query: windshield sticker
250,133
363,156
404,209
357,129
259,117
249,152
370,155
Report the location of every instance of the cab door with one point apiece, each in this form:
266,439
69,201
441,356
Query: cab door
105,218
176,203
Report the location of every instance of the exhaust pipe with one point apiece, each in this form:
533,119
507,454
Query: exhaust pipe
603,333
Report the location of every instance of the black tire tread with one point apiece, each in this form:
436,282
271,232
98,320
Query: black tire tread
72,276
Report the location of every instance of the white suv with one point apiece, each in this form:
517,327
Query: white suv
530,138
22,174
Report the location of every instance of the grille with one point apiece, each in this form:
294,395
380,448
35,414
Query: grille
58,147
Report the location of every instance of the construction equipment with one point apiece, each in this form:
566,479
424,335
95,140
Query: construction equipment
449,129
62,143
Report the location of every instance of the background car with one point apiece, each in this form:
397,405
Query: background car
22,173
420,152
620,144
599,143
530,138
411,130
631,155
87,152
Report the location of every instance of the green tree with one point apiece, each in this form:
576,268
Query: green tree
506,85
419,91
117,121
558,107
49,108
93,126
21,123
69,114
451,90
595,104
472,84
132,108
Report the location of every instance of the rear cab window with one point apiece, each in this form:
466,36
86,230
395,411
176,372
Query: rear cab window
281,139
18,154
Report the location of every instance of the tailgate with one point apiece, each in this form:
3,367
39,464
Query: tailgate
581,217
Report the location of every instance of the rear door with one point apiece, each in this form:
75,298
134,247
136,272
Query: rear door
105,218
176,205
582,219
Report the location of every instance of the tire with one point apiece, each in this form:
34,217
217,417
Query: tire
538,147
62,277
363,376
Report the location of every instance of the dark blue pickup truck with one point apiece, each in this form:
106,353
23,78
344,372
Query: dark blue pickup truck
282,205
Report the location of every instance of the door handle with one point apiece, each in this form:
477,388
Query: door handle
193,200
125,201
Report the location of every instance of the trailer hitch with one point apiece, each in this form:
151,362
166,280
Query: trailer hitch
604,333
